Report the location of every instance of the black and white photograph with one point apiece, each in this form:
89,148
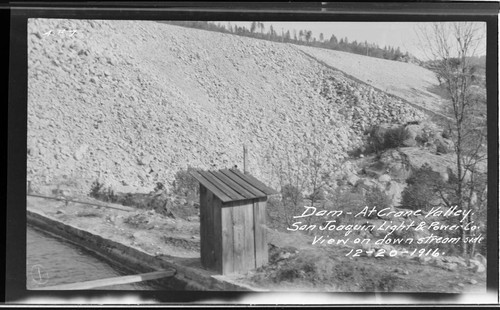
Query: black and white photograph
257,156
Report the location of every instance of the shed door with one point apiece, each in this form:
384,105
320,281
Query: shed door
238,242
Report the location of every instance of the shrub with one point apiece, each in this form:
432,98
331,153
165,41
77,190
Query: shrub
387,282
375,140
137,220
274,213
97,191
423,187
346,199
88,213
159,186
356,152
127,200
375,197
318,195
381,139
354,201
298,268
291,202
394,137
290,194
109,195
451,249
185,183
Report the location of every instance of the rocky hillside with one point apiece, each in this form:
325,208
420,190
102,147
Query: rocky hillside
132,102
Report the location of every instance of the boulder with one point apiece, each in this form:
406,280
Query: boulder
402,271
145,160
444,176
352,179
480,258
375,170
366,246
80,152
424,260
136,235
384,178
444,265
365,184
414,131
422,132
476,266
456,260
443,146
446,134
417,157
193,218
409,142
450,266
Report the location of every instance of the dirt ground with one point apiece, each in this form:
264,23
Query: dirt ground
331,270
294,263
146,230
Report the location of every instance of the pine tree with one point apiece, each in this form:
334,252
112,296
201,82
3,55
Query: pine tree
333,40
253,27
308,35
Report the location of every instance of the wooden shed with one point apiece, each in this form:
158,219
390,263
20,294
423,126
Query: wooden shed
232,220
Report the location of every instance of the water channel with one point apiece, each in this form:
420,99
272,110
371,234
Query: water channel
53,261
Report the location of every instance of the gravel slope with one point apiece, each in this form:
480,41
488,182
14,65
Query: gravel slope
132,102
405,80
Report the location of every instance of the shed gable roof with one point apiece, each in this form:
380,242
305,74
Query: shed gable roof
232,185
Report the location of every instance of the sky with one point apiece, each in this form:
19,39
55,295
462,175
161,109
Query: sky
395,34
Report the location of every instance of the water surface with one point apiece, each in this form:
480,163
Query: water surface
53,261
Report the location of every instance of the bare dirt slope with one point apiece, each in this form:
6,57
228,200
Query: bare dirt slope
405,80
132,102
